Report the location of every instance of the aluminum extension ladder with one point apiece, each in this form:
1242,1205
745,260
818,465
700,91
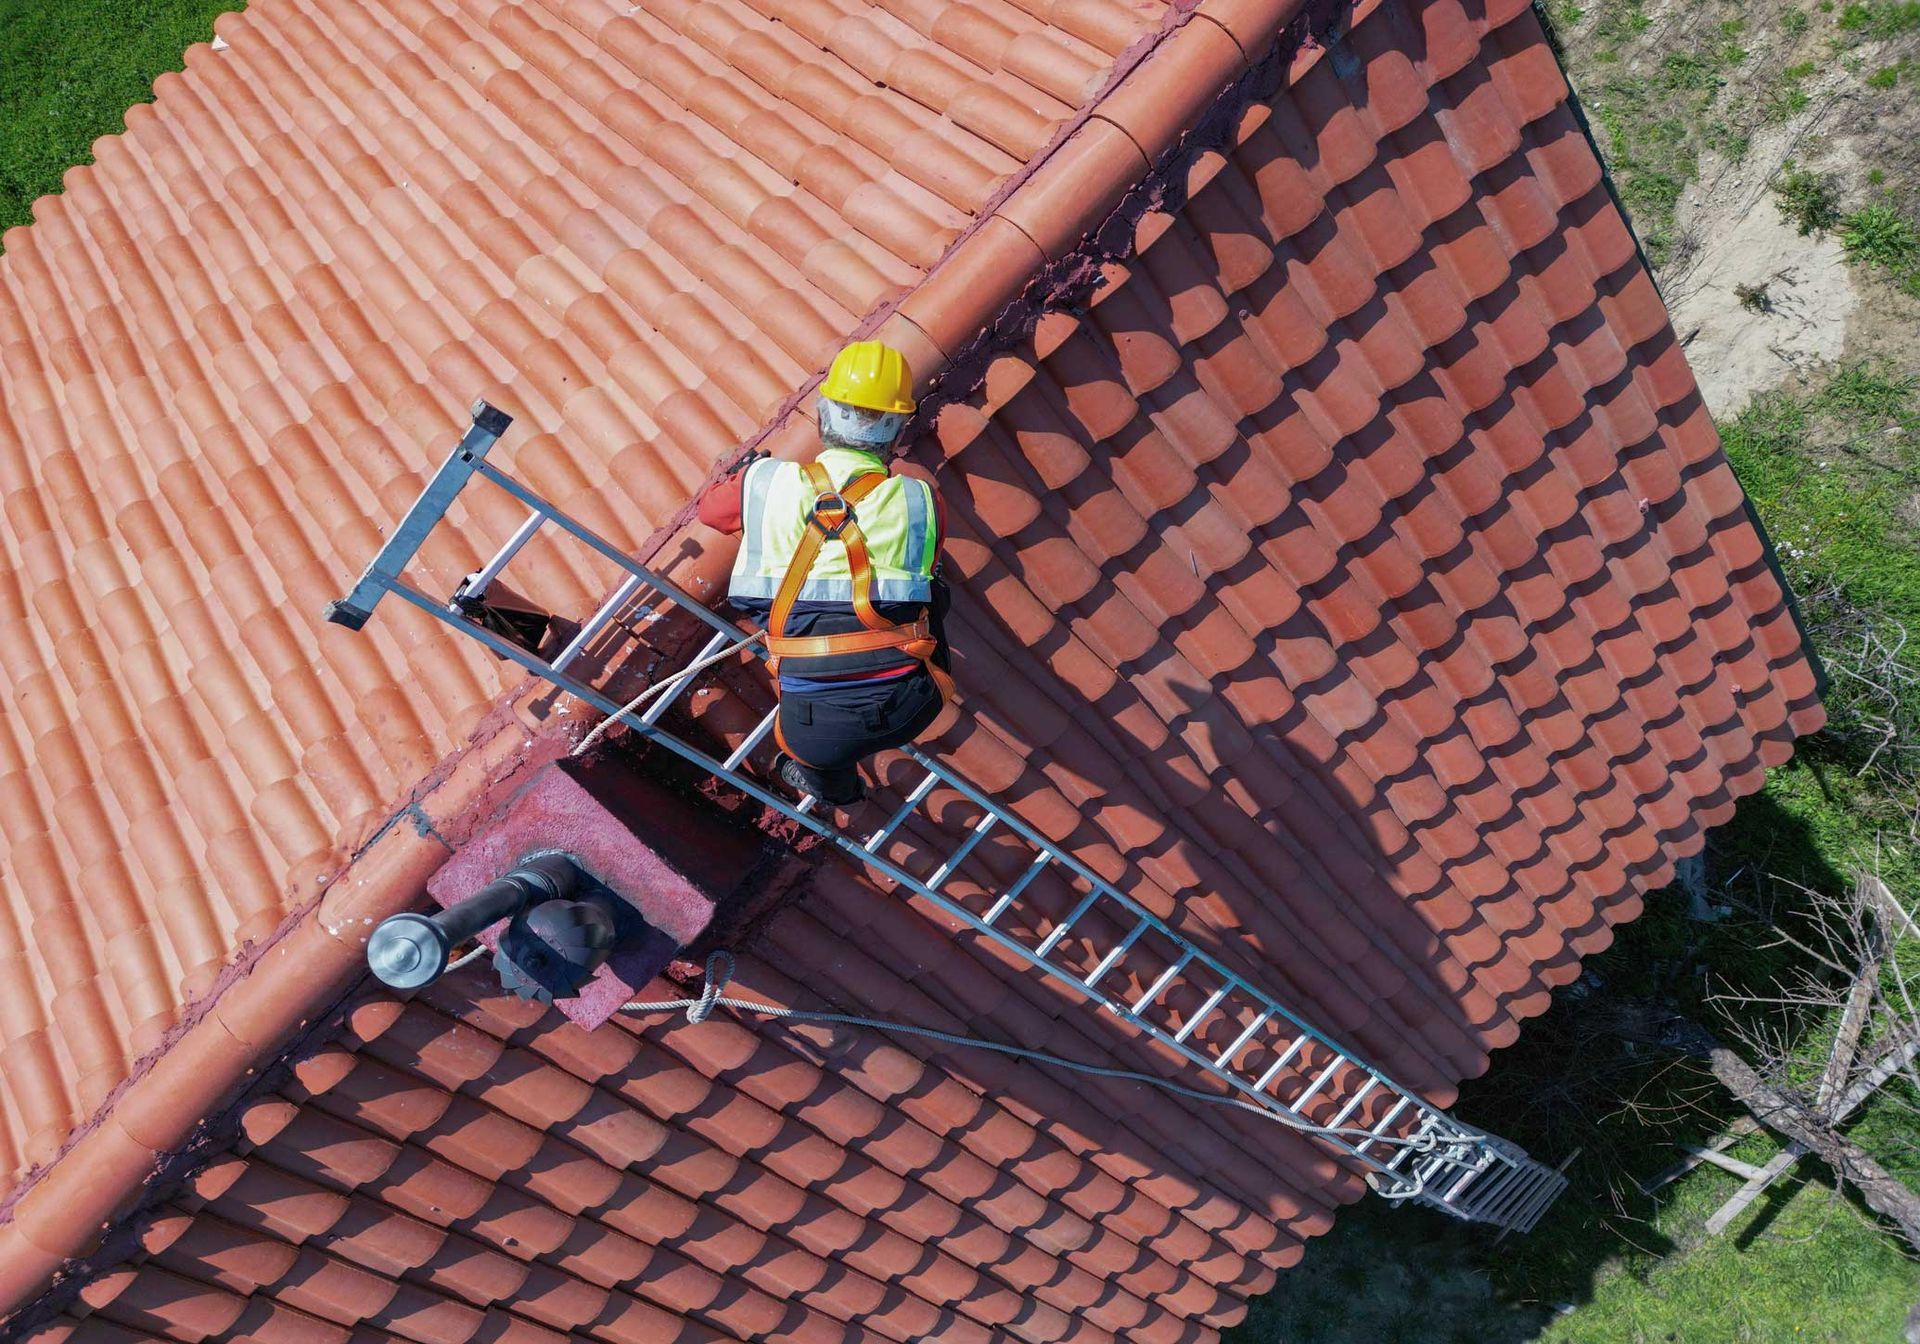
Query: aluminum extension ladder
1411,1151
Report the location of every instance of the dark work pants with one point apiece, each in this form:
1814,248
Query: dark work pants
831,732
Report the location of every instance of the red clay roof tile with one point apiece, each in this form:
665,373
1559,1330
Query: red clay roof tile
1386,617
297,235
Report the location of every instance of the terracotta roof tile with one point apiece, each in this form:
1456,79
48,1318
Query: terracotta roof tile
253,318
1354,575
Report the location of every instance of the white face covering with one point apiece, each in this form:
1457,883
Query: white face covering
858,426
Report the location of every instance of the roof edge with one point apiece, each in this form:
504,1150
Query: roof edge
232,1039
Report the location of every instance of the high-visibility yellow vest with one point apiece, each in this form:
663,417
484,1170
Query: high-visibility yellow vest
897,518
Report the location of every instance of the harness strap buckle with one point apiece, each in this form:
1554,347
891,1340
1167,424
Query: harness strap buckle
830,505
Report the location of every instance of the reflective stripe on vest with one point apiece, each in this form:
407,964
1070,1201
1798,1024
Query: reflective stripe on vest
897,518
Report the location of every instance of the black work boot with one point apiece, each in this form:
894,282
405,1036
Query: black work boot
842,788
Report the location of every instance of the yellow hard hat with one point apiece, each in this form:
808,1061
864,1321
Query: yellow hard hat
873,376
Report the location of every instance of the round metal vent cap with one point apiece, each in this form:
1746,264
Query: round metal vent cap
407,951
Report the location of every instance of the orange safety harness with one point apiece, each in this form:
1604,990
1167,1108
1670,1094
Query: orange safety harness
832,518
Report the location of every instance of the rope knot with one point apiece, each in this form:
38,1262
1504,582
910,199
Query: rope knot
719,972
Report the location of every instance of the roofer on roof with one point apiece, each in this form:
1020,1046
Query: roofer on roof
839,559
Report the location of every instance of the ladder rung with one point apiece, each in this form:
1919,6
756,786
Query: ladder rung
1225,1059
1166,978
1213,1001
1273,1069
1120,950
1512,1193
1353,1104
753,739
1052,940
979,833
684,679
1313,1088
483,578
598,622
1012,894
920,791
1379,1131
1468,1177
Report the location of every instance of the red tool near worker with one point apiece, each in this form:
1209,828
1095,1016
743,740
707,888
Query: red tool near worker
839,560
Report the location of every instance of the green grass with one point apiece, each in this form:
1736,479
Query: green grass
1881,237
1655,118
1816,1271
1652,147
69,69
1786,96
1881,19
1889,76
1565,13
1797,1267
1806,199
1620,22
1831,482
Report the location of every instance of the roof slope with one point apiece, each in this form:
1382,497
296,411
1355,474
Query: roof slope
1350,570
462,1168
232,349
1358,569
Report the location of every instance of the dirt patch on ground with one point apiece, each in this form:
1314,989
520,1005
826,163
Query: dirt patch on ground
1753,299
1700,107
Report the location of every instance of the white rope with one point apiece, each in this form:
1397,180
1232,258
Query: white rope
478,951
720,970
701,665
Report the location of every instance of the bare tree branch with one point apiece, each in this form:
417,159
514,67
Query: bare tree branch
1883,1192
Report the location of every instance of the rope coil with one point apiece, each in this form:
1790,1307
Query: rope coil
720,969
719,972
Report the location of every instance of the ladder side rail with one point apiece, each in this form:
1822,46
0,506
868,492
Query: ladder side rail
1105,889
1100,888
399,549
680,596
1160,926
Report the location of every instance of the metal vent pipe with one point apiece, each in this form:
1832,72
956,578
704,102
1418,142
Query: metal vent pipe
411,950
